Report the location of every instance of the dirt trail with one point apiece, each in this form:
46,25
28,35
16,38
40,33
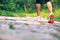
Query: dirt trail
27,28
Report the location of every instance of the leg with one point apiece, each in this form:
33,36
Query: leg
38,9
49,5
38,2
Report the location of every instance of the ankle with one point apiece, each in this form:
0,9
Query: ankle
38,16
51,13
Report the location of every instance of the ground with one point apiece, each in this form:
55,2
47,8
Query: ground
27,28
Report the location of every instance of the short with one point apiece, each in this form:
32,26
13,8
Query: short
42,1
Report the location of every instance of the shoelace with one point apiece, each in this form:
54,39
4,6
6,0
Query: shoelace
51,16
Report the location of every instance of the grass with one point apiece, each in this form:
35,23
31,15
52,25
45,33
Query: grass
44,14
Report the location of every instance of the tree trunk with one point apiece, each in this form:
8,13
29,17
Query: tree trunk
25,8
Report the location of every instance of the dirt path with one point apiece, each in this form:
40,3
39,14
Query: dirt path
26,28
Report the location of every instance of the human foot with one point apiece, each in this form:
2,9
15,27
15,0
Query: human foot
38,18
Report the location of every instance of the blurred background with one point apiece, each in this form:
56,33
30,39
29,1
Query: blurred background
24,8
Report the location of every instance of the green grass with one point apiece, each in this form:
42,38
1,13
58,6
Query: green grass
16,14
44,14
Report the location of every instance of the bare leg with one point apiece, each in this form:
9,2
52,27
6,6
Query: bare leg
38,11
49,5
